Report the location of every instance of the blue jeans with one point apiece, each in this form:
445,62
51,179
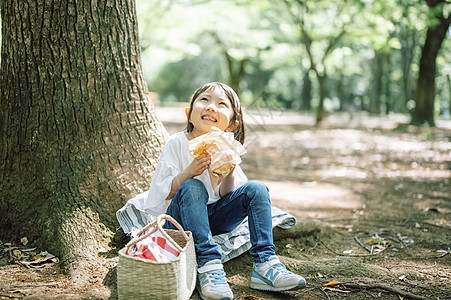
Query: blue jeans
189,207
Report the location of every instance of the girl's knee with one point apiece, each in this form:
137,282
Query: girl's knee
258,188
192,183
194,190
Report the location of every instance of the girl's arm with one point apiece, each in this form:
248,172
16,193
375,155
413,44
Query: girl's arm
227,185
197,167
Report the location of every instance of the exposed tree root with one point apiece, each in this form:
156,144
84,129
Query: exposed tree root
367,286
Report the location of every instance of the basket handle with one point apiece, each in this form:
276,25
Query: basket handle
154,226
147,227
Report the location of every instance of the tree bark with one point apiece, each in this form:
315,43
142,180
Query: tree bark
379,62
408,41
425,92
78,133
320,112
306,95
236,73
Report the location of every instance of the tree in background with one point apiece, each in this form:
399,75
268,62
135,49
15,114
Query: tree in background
425,90
236,66
176,81
321,28
78,136
373,66
407,33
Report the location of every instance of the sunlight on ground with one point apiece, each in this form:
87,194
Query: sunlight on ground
313,199
383,173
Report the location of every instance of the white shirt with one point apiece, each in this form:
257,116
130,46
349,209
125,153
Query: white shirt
173,160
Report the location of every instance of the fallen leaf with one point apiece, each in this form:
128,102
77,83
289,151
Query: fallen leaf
17,253
332,283
24,240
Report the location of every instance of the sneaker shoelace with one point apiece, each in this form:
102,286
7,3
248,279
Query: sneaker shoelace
217,277
281,268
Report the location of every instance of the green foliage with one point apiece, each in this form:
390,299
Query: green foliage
346,41
177,80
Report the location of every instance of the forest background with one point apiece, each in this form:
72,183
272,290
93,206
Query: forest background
340,56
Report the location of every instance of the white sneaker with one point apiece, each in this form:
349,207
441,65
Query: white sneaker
212,282
273,276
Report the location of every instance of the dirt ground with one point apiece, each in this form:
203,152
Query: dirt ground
372,198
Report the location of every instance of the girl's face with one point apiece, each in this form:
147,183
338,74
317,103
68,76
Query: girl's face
211,108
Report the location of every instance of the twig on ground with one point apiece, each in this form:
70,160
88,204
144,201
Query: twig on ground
307,290
366,286
384,287
361,244
314,246
324,293
440,256
446,253
321,288
413,266
402,241
438,226
353,255
332,289
10,295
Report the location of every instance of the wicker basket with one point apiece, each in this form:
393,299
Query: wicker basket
139,278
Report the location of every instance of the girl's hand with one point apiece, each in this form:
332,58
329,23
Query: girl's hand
196,167
199,165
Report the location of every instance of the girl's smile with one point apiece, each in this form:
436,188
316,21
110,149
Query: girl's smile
209,118
211,108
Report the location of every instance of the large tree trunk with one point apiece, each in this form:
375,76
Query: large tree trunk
78,134
425,92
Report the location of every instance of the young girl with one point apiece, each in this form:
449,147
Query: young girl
181,188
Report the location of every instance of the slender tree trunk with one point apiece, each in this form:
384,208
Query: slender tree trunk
236,68
406,62
341,92
389,103
425,92
306,95
408,38
320,112
77,134
378,68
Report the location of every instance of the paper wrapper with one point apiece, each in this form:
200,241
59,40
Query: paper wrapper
224,150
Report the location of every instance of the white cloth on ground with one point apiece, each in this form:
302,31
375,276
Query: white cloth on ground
133,217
